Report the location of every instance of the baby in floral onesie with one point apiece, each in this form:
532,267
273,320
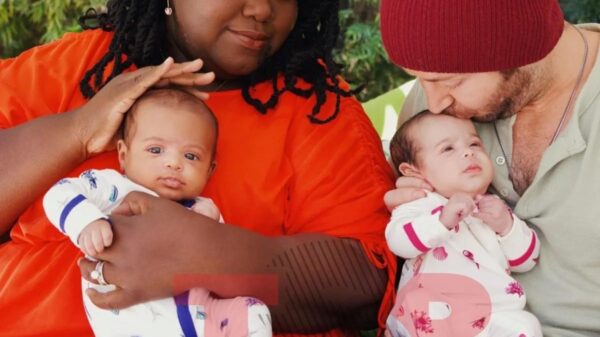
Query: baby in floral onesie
460,243
167,150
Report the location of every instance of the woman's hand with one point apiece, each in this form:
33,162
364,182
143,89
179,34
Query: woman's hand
407,189
148,251
99,119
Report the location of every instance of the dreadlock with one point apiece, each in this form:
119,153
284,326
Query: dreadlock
140,39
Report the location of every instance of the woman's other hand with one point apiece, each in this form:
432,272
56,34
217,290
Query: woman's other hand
99,119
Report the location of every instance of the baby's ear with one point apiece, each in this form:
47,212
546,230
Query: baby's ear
122,152
409,170
212,168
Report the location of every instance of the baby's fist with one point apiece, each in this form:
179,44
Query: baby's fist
95,236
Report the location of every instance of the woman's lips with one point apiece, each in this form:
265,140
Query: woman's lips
251,39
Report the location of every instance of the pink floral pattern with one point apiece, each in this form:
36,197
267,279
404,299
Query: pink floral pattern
421,321
479,324
471,257
399,311
515,288
440,253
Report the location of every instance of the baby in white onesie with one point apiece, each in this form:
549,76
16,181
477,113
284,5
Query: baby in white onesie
460,243
167,149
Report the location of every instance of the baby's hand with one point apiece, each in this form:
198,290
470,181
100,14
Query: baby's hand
95,236
459,206
495,213
207,207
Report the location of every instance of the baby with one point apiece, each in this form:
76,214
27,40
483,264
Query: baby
168,150
460,243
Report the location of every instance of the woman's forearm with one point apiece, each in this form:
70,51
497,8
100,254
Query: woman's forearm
34,156
321,282
326,282
311,282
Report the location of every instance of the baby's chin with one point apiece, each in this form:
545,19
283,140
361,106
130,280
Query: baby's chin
174,195
471,190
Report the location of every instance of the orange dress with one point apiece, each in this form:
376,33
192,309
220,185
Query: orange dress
277,174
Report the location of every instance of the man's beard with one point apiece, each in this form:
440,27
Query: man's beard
512,94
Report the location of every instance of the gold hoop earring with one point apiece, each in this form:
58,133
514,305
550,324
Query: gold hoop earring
168,9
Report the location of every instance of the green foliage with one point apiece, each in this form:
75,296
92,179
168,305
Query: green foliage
580,11
363,55
26,23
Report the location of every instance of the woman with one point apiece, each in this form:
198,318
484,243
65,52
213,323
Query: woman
300,171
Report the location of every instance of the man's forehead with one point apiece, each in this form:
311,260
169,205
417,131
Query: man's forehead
433,77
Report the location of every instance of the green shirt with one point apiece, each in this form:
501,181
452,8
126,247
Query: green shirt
563,205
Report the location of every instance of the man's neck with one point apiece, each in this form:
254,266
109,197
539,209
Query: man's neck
558,78
558,73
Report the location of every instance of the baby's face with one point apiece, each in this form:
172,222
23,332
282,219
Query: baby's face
169,149
451,156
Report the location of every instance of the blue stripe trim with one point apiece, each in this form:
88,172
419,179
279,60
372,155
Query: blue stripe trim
184,316
67,210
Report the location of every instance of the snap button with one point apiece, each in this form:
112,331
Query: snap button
500,160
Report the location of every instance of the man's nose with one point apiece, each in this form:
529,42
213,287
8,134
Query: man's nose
438,97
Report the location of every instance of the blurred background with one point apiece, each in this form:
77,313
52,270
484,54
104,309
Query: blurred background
26,23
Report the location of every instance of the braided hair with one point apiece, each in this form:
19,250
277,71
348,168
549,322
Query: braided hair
140,39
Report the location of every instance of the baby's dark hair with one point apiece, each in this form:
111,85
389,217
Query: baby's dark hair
140,39
402,147
172,93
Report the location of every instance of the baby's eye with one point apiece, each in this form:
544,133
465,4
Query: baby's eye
476,144
154,150
447,148
190,156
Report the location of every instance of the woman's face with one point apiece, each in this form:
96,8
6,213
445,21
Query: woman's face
232,37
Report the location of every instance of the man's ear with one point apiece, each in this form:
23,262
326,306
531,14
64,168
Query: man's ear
409,170
122,152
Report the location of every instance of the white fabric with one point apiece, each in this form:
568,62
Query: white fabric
474,251
102,192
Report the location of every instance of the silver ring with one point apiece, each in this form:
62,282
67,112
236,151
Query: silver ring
98,274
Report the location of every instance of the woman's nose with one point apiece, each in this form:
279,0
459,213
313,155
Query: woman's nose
260,10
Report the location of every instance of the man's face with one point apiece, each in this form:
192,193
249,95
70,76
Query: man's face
483,97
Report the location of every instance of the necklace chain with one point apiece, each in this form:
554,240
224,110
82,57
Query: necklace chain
567,107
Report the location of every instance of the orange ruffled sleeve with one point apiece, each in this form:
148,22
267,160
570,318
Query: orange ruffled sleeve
340,177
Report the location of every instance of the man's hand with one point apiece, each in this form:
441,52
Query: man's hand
495,213
407,189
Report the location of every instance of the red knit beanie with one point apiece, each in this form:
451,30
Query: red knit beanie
468,36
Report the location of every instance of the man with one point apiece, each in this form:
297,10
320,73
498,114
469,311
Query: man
532,81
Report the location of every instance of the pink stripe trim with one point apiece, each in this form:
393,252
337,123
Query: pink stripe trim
437,209
526,256
414,239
